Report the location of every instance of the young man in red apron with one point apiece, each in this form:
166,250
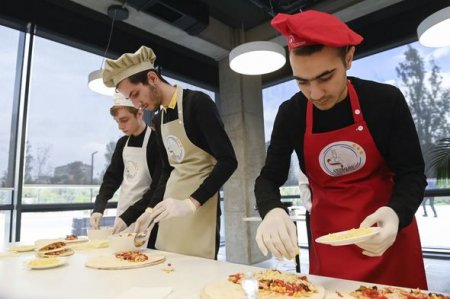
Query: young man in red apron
357,144
198,151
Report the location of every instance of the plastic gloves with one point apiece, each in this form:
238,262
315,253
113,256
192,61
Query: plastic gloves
387,219
305,192
119,225
277,233
95,220
170,207
144,221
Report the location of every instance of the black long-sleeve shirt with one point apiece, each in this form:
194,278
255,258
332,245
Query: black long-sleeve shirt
389,120
205,129
114,173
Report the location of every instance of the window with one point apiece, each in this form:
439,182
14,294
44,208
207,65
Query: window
69,127
8,64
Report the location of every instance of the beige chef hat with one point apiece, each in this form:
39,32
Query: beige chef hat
127,65
120,100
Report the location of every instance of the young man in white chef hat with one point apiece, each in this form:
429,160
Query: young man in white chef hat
357,144
135,166
193,141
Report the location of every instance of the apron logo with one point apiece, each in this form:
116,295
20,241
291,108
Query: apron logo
131,169
341,158
175,149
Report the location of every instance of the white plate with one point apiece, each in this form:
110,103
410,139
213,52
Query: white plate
21,248
45,263
79,240
347,237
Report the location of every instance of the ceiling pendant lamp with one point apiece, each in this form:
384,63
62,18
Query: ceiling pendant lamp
434,31
95,78
257,58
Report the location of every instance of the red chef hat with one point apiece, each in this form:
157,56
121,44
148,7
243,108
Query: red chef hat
315,28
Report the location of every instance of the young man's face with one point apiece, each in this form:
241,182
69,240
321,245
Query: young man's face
129,123
143,96
321,76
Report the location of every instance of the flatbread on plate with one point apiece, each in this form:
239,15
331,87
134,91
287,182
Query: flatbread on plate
347,237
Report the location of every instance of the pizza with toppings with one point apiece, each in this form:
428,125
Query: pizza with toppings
132,256
71,237
272,284
374,292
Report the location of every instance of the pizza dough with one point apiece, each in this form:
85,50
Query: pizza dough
225,289
110,262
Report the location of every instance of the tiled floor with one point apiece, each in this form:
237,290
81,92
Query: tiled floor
437,270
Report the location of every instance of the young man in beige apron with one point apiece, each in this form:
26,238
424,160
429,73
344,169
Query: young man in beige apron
135,160
199,153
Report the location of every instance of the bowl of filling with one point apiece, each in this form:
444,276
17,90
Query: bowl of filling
123,242
99,234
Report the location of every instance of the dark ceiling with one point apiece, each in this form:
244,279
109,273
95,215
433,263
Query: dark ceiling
191,37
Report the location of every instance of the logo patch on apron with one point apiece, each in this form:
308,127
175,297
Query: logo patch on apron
131,168
341,158
175,149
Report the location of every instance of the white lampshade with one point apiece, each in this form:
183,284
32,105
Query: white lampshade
257,58
95,83
434,31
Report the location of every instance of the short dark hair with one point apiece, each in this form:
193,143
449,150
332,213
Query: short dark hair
309,50
141,77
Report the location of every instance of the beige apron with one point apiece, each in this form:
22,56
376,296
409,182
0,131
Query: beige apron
195,234
136,176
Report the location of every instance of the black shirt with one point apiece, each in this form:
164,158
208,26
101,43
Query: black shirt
205,129
114,173
389,120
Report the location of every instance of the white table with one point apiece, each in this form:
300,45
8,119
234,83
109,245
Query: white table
74,280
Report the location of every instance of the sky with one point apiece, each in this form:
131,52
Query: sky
72,122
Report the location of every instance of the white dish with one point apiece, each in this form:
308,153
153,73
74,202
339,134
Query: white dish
21,248
79,240
46,263
122,242
347,237
99,234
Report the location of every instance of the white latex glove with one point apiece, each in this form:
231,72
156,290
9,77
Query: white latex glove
119,225
387,219
144,221
278,234
171,207
305,192
95,220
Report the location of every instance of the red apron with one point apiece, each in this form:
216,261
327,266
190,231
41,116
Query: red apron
349,180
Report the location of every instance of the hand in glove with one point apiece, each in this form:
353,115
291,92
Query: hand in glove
145,221
95,220
387,219
277,232
170,207
119,225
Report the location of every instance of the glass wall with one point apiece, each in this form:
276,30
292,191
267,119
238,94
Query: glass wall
69,138
423,75
8,62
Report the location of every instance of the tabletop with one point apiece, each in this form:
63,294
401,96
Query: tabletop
75,280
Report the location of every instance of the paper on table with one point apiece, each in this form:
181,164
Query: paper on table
140,292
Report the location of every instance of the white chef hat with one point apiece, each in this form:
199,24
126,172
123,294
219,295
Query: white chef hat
120,100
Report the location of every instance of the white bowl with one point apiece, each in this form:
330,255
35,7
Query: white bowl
122,242
99,234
